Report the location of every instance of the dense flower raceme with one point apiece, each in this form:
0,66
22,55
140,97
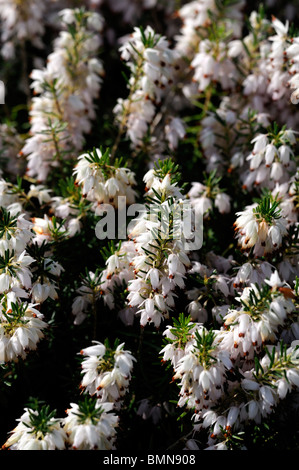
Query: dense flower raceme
91,426
261,227
161,262
103,182
152,65
206,275
62,113
107,371
201,371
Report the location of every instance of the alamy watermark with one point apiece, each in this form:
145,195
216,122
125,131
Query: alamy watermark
169,222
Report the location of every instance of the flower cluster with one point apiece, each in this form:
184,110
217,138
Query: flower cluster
261,227
90,425
260,391
103,183
106,371
211,365
152,65
131,11
87,426
263,312
21,328
29,271
11,144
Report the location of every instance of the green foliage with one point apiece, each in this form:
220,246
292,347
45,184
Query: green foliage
41,418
